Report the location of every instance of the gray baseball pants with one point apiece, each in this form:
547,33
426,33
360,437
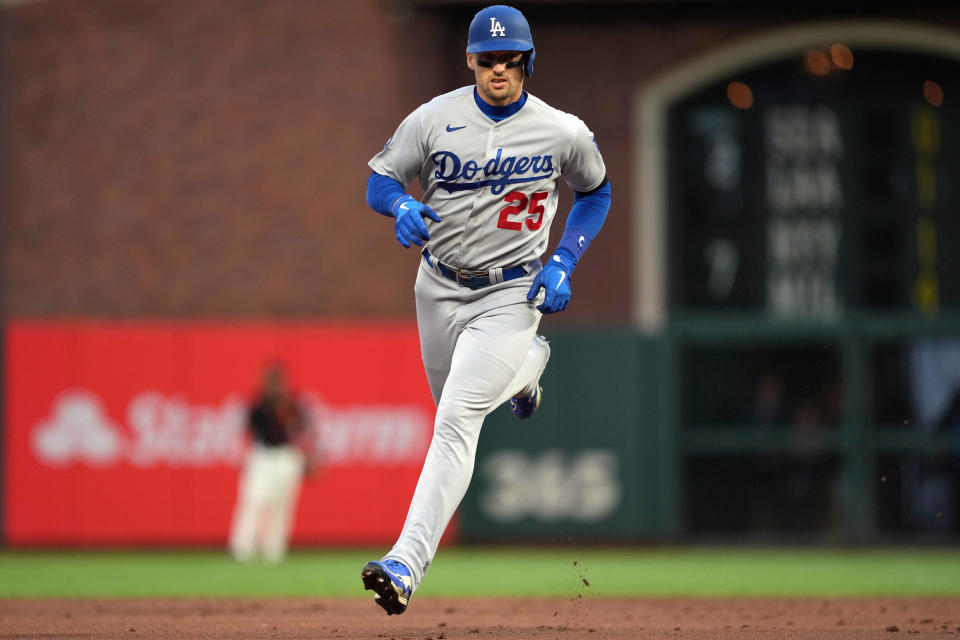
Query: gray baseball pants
478,351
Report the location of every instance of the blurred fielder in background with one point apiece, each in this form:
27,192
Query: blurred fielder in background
274,469
488,157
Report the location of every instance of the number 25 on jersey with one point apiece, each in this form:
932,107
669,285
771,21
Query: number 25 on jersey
534,218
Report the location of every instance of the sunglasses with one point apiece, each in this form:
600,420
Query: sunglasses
511,63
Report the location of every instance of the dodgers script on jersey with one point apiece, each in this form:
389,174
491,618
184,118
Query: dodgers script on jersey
493,182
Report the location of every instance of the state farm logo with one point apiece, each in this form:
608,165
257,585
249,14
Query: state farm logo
166,429
367,434
77,429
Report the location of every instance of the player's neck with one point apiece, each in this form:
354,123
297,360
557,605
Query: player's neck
498,113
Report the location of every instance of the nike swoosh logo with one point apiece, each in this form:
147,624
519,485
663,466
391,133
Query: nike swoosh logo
452,128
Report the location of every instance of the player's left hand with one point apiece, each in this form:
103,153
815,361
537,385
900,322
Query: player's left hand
555,280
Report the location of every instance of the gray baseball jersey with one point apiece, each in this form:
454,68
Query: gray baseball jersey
492,183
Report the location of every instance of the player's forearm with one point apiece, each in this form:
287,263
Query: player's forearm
586,218
382,192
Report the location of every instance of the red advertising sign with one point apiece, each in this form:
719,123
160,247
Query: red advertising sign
134,433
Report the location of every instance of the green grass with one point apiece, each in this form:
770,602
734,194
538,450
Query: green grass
493,572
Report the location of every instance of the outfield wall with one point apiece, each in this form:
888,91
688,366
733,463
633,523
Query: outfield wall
130,433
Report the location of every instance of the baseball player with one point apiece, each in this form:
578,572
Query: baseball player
272,474
488,157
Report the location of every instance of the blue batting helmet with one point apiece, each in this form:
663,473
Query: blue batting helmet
501,28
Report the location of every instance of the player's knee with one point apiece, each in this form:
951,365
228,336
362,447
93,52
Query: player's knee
455,436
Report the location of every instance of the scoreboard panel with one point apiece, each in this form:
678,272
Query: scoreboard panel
808,191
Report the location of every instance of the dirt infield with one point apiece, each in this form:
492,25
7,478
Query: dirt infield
476,619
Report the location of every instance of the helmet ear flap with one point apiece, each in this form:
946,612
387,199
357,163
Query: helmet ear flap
528,62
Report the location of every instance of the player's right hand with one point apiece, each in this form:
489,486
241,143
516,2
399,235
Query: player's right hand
408,222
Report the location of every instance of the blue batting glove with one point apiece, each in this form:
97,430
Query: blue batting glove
408,221
555,280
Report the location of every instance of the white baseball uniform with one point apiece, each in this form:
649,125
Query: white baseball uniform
270,482
493,184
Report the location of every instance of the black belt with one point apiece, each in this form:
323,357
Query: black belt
471,279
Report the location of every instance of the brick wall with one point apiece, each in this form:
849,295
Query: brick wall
185,158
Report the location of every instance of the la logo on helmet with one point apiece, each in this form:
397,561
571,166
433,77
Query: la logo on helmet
497,29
